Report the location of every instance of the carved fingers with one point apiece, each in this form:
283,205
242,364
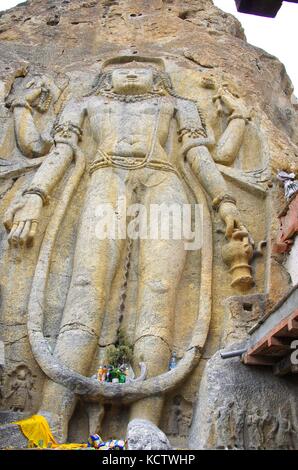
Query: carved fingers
231,103
230,225
234,228
231,216
33,91
22,233
21,220
28,232
10,213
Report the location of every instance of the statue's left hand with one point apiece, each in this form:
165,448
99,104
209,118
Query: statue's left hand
29,93
231,217
230,102
32,91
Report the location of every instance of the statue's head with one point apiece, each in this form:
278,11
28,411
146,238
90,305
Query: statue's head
21,373
133,76
132,80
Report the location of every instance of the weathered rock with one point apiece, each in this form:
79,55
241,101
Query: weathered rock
144,435
245,107
7,417
12,437
241,407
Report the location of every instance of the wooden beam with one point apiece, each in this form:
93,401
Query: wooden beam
293,326
258,360
259,348
277,347
285,329
279,342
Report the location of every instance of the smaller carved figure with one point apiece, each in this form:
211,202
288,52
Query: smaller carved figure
179,419
21,387
261,429
287,431
224,419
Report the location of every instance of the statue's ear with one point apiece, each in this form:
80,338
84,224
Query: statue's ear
158,84
103,81
97,80
162,82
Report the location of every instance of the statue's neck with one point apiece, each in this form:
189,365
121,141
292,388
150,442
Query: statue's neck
130,98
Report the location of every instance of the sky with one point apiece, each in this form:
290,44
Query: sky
278,36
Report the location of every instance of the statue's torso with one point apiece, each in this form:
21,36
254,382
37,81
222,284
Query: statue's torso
130,129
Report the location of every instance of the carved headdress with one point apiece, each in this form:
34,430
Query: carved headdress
161,80
133,61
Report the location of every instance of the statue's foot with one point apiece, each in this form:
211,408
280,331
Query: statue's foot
58,425
144,435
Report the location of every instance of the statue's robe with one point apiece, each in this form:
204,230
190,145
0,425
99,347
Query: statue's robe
200,289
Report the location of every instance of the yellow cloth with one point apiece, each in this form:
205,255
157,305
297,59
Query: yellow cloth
37,430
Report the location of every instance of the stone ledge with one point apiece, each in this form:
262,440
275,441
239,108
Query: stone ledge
12,436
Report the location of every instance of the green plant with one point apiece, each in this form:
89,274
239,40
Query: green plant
121,352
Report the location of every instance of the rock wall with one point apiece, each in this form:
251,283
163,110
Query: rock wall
64,43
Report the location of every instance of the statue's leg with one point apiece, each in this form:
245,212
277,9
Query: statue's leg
94,265
160,267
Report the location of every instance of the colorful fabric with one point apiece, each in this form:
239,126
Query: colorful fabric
113,444
37,430
96,442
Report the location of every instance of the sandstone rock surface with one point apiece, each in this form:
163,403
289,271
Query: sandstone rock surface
143,435
244,97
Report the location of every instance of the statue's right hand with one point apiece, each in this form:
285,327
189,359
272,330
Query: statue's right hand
21,219
32,94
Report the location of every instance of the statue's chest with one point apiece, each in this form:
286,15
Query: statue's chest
129,114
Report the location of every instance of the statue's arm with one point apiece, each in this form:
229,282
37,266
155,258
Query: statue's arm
228,146
21,219
193,136
29,140
66,136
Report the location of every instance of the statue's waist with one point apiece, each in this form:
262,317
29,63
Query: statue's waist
104,160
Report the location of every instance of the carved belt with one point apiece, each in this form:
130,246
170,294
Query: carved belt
129,163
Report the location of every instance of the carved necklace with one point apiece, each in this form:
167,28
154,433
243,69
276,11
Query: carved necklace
129,98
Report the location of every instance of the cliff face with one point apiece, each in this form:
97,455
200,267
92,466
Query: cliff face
64,43
62,34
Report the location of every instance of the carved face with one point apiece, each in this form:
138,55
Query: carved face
21,375
132,81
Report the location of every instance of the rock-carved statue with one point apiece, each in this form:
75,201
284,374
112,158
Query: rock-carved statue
237,254
35,95
130,111
21,388
237,115
179,419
